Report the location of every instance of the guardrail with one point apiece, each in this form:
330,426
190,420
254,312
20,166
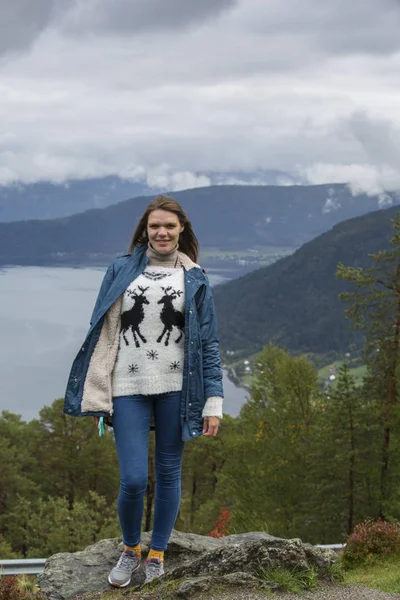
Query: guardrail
34,566
335,547
20,566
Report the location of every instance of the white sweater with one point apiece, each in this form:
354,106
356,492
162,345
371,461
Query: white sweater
151,347
154,367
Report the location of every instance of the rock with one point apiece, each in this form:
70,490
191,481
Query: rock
185,546
67,574
192,587
267,552
249,552
198,560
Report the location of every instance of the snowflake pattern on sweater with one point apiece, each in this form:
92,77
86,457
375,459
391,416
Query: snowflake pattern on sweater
151,349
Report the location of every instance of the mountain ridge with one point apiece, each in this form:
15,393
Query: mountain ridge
231,217
294,303
51,200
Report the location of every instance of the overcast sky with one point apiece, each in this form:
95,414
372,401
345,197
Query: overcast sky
162,90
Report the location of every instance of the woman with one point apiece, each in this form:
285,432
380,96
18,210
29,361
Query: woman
151,351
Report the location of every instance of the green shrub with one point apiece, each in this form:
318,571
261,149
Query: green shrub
370,540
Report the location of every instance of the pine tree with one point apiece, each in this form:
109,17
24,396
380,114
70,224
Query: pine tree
343,466
375,310
265,473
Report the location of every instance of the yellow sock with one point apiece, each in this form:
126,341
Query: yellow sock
156,554
134,548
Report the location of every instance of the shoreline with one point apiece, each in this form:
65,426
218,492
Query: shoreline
235,396
231,374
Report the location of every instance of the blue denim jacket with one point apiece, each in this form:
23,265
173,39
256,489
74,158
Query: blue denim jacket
202,374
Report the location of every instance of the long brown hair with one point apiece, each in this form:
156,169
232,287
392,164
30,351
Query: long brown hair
188,243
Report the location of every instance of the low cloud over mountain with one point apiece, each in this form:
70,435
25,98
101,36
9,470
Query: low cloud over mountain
152,90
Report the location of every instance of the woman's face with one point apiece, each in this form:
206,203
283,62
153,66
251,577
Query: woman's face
163,229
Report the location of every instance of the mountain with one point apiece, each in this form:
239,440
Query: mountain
294,303
47,200
226,217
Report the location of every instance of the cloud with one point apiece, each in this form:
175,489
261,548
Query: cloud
332,203
22,21
176,92
378,137
333,27
378,168
132,16
367,178
290,32
164,178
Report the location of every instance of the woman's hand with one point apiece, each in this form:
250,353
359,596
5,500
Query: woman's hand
210,426
96,421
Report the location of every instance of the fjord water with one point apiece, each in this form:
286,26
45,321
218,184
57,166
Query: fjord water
44,317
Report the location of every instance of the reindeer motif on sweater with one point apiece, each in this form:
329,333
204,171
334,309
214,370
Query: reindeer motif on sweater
131,319
169,316
156,322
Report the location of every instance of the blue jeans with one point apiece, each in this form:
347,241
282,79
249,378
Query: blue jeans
131,423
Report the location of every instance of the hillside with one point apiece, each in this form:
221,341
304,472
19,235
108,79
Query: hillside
51,200
47,200
294,302
228,217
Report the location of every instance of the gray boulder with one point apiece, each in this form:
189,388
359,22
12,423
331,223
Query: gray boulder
194,586
196,561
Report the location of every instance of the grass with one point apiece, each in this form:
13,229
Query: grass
380,574
336,572
358,371
383,574
28,583
293,581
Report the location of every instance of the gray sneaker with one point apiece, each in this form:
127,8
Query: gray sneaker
121,574
154,568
